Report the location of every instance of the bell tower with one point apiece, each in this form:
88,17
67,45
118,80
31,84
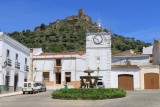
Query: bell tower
98,54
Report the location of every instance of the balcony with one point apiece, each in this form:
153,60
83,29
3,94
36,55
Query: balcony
57,66
8,62
58,63
58,69
26,68
17,65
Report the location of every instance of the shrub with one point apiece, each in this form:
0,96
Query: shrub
90,94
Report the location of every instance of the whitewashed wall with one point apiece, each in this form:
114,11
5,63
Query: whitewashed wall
1,73
42,66
15,48
68,65
134,72
147,50
101,51
22,54
105,58
139,60
81,66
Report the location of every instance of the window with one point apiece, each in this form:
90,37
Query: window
16,57
25,79
25,61
34,85
8,61
45,76
98,60
68,76
8,53
58,62
25,84
29,84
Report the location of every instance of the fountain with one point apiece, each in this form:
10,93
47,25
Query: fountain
89,81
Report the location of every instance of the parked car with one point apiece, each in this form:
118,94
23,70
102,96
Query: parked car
41,86
30,87
100,84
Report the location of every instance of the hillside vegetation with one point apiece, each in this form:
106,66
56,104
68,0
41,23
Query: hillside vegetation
69,35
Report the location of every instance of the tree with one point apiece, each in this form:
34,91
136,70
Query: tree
56,48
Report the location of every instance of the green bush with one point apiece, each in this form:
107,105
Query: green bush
90,94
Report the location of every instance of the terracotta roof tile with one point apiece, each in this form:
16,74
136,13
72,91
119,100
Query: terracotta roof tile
65,53
126,53
125,66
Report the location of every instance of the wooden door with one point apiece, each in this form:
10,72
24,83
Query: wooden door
151,81
125,81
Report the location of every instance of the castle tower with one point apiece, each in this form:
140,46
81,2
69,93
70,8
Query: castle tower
81,13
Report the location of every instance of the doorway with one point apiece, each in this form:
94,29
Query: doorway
58,78
7,79
15,82
151,81
125,81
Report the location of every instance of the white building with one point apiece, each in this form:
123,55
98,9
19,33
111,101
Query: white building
147,50
138,60
55,69
14,61
128,71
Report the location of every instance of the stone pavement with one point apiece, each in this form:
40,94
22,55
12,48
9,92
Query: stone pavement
11,94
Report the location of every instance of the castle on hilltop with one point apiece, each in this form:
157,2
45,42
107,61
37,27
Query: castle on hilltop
81,16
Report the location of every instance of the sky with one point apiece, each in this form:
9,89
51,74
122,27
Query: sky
131,18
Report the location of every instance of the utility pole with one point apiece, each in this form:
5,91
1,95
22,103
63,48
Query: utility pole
31,66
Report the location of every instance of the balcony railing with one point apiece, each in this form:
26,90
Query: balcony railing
57,69
26,68
17,65
8,62
57,66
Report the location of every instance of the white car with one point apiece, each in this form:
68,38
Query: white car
41,86
30,87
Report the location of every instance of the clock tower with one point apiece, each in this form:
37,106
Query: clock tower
98,54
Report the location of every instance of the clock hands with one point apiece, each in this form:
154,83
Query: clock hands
97,39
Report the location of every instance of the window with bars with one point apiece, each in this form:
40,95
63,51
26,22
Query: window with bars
45,76
68,76
58,62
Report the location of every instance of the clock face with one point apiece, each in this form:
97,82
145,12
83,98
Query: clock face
97,39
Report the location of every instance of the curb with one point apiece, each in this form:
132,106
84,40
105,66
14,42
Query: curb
10,94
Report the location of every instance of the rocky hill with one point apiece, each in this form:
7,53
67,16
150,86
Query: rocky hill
69,35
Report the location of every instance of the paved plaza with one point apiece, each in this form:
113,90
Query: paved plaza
145,98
